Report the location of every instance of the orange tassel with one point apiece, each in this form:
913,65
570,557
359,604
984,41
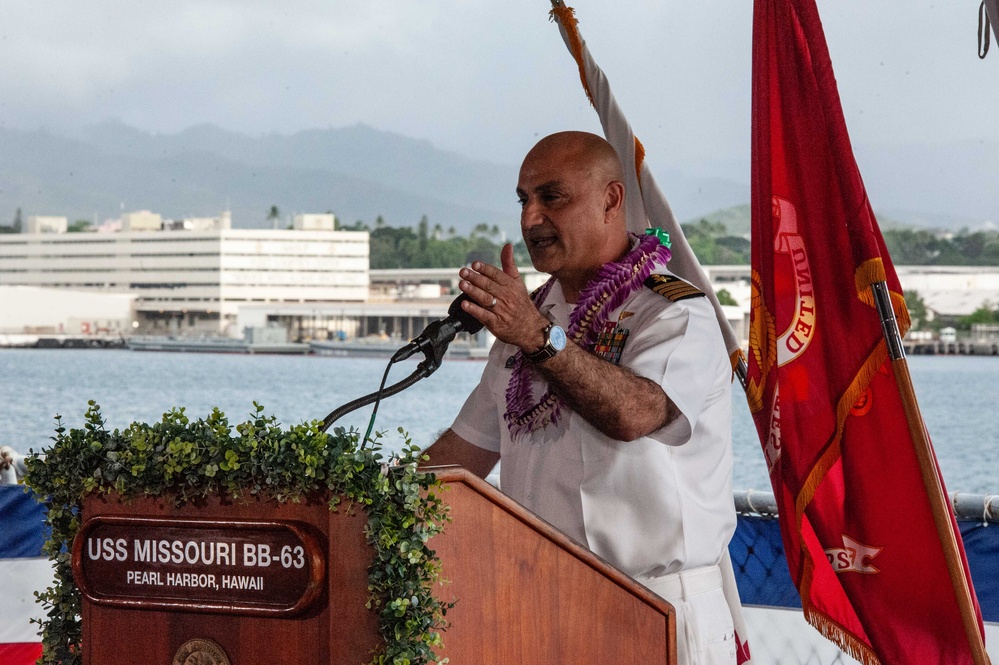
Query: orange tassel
566,16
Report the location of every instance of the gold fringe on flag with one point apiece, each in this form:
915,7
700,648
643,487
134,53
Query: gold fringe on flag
735,358
871,271
867,273
841,637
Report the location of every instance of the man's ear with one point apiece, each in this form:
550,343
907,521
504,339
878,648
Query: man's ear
613,199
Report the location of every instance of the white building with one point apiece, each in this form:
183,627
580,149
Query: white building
193,282
952,290
221,223
30,310
46,224
143,220
326,222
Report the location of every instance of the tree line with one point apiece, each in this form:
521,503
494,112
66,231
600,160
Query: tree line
713,245
916,247
429,246
426,246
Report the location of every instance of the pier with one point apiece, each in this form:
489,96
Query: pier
957,348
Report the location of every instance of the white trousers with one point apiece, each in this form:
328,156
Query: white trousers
704,630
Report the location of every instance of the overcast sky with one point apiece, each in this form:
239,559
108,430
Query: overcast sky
480,78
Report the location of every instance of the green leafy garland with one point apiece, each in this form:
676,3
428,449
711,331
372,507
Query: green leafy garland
186,460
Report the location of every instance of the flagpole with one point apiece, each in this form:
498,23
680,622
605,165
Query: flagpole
741,372
942,514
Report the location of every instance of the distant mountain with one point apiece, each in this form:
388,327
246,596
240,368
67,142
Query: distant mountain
360,152
359,173
947,187
693,197
736,219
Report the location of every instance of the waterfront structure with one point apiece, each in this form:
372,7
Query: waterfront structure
193,281
194,276
952,290
30,312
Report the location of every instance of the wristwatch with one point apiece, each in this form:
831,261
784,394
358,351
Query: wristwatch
555,341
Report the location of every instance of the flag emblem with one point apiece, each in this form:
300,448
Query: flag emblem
789,244
793,284
853,558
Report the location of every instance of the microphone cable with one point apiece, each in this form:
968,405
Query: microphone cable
433,342
378,401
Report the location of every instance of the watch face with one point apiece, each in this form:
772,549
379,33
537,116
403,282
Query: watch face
556,337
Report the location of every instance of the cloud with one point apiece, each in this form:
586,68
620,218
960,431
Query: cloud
483,78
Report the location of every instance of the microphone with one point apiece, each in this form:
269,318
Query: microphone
433,342
442,332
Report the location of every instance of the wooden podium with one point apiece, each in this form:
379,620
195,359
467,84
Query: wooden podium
263,584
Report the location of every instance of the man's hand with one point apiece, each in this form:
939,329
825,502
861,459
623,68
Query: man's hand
499,299
613,399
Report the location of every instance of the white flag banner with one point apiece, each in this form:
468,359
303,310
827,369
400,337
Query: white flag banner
646,204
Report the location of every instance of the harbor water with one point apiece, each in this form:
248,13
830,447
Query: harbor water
958,395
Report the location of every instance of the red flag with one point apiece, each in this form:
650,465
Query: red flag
856,520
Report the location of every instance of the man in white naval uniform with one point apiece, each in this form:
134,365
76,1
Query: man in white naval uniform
619,433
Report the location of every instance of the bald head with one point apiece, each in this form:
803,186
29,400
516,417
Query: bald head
573,218
581,150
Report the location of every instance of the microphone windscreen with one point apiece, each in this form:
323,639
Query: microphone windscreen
469,323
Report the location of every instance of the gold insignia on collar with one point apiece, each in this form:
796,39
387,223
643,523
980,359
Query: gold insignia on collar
625,315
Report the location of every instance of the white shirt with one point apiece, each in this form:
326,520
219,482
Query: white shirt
652,506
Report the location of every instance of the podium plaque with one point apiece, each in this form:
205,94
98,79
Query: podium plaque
259,583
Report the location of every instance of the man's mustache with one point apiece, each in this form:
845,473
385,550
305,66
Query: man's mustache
539,232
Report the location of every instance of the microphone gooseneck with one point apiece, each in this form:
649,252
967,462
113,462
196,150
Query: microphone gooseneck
441,333
433,342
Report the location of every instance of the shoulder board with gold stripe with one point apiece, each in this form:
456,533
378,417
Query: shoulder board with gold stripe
672,288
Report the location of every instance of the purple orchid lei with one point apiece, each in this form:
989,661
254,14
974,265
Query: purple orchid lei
613,284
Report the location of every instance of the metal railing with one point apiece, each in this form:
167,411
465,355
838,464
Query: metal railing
778,632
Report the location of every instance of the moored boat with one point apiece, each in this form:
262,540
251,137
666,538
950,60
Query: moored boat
214,345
